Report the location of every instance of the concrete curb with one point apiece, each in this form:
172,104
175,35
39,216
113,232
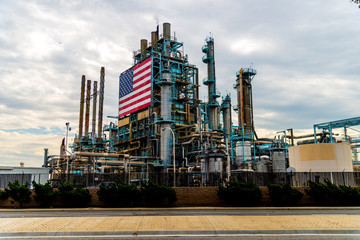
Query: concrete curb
179,233
173,208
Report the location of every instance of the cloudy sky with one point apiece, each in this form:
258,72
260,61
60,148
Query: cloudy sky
306,54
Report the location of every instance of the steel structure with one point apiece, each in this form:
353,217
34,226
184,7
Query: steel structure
167,129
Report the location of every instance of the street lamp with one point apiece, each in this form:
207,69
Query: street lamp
173,135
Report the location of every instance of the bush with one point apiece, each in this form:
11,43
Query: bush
44,194
331,194
74,197
284,195
238,193
119,194
158,195
19,193
4,195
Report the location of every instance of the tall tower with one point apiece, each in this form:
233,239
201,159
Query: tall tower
244,99
210,81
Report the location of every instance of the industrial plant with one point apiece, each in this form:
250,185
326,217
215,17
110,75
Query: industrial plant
163,127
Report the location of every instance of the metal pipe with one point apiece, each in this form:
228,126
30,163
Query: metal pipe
93,130
87,110
81,117
101,102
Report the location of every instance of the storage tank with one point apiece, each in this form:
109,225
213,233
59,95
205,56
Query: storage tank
321,157
242,153
279,161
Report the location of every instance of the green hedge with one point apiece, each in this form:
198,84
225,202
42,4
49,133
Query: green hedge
44,194
238,193
151,194
158,195
18,192
73,197
330,194
284,195
119,194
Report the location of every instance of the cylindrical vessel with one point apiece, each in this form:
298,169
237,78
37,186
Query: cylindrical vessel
219,165
212,168
93,128
101,101
143,45
82,96
243,153
154,38
87,109
166,30
279,161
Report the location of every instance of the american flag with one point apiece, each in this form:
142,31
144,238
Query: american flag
135,88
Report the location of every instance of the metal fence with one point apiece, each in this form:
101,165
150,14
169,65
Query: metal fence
6,178
208,179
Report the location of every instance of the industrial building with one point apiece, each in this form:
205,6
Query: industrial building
162,125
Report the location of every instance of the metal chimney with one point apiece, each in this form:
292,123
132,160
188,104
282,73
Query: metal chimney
93,129
87,109
143,45
101,101
166,30
81,117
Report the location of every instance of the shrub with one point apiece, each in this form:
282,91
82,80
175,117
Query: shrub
44,194
158,195
3,195
331,194
284,195
119,194
74,197
19,193
240,193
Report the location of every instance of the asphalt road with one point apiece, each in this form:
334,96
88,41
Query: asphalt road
176,212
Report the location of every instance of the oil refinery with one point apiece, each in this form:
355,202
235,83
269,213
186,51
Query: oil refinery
163,127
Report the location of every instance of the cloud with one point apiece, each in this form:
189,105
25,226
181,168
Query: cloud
305,54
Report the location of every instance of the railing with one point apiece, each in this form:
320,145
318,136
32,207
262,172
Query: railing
209,179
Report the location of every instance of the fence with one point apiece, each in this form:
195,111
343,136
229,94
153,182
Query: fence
6,178
208,179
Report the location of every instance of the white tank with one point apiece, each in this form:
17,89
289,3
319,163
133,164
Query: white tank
240,152
204,166
279,162
212,168
219,165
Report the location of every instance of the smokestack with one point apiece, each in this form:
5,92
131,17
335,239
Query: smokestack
93,129
166,30
154,38
101,101
143,45
81,117
46,150
87,109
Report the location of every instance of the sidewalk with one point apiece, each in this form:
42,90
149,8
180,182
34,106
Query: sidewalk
172,225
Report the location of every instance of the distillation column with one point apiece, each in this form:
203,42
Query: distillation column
213,105
165,117
226,111
244,99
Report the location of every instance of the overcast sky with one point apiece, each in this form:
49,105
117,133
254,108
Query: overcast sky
306,54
